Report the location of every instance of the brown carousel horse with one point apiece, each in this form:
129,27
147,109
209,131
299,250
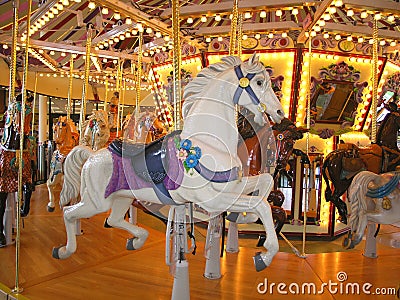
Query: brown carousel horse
9,158
66,137
341,165
254,161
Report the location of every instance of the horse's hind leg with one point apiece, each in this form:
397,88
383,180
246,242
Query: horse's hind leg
83,209
116,219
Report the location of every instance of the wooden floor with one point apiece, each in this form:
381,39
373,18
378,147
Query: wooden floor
102,268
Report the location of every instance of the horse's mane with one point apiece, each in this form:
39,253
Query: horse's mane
198,84
358,201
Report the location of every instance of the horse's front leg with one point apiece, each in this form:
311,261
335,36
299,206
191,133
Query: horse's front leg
52,183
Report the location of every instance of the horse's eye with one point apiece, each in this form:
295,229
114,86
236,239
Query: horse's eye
259,82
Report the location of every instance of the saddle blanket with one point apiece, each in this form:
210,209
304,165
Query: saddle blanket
125,178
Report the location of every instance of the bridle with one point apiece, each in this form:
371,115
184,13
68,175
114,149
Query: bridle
244,84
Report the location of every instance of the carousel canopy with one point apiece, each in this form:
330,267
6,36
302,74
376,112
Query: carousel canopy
59,28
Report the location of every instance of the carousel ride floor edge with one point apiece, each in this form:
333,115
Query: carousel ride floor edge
102,268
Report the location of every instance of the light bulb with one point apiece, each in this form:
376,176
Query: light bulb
203,19
295,11
217,17
363,15
247,15
278,13
360,40
263,14
117,16
350,13
189,20
92,5
104,11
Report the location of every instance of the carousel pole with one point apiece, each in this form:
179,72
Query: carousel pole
71,70
374,81
118,87
106,95
13,65
85,80
232,242
17,289
139,74
176,62
33,105
307,166
123,104
181,287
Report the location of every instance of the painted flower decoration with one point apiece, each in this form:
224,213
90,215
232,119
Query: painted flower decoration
186,144
188,155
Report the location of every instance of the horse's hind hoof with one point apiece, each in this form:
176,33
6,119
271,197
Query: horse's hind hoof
129,244
55,252
258,262
50,209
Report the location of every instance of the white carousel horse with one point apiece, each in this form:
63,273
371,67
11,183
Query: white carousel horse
96,135
203,165
373,199
66,137
96,130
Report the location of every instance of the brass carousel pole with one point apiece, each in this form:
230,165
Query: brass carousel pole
176,65
239,35
119,89
71,70
85,79
33,105
123,104
307,166
139,73
106,95
17,289
234,24
374,81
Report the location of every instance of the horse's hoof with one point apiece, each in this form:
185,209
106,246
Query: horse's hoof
346,243
129,244
50,209
232,217
106,225
55,252
258,262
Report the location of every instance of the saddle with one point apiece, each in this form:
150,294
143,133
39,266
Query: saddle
149,161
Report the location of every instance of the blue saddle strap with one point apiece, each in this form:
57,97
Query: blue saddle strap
386,189
217,176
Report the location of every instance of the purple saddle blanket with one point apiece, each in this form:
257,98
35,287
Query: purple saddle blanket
125,178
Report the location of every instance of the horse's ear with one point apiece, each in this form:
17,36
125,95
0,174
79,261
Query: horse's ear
253,59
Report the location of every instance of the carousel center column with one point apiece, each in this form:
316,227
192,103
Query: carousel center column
42,168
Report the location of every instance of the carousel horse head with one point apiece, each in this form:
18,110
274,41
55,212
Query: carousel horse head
96,130
66,136
143,127
249,85
372,198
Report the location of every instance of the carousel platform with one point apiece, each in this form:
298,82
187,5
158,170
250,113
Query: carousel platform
103,269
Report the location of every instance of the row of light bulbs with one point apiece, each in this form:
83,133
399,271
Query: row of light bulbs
246,15
50,14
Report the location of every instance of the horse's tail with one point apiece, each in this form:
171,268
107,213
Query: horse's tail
358,204
328,191
72,173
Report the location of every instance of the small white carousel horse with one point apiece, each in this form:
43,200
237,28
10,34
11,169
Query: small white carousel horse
96,130
201,162
373,199
66,137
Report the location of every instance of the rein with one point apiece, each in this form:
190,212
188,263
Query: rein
384,190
